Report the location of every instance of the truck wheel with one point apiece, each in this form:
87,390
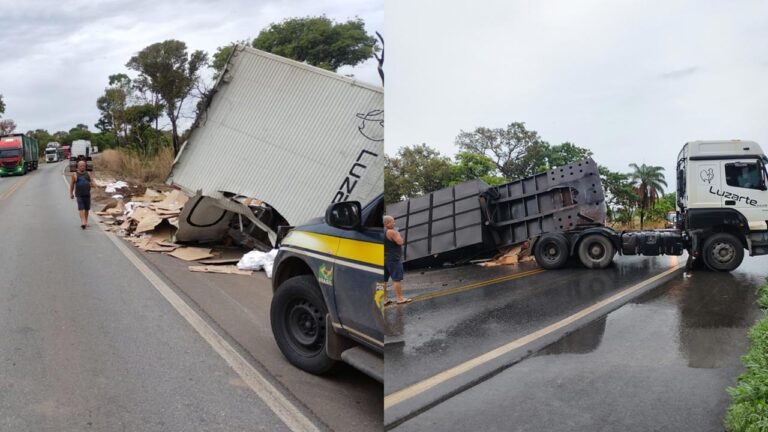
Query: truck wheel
596,251
722,252
297,315
551,251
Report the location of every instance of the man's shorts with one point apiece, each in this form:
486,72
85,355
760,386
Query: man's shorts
83,202
393,269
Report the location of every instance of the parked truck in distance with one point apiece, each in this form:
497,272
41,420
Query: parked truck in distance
80,150
53,152
722,211
18,154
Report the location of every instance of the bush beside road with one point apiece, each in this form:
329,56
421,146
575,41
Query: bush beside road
749,406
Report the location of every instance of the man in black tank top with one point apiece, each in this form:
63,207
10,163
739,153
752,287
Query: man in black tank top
80,188
393,259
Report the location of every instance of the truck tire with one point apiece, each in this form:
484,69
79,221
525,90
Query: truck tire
596,251
297,315
722,252
551,251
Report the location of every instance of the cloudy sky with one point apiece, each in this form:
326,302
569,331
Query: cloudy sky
57,55
630,80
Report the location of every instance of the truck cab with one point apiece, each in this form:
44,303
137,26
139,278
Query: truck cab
325,279
722,196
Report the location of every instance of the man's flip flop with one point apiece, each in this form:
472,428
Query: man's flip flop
82,226
388,302
404,301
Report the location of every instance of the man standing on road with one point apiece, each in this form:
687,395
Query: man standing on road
80,187
393,259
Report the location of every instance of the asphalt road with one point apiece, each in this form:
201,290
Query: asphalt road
87,343
662,361
345,400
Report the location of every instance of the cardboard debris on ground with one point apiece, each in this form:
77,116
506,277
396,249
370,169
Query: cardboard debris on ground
222,269
516,254
148,222
191,253
219,261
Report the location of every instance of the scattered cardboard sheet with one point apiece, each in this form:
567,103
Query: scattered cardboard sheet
148,222
219,261
191,253
223,269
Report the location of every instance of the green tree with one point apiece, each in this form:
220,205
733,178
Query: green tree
7,126
220,57
169,72
620,195
415,171
319,41
112,105
649,184
469,166
43,138
508,148
2,106
664,205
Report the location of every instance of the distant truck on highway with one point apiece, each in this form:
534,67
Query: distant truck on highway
18,154
80,150
721,211
53,152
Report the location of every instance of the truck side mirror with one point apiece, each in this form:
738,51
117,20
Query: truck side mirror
344,215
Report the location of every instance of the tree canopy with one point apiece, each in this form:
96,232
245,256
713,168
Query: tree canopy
170,74
649,185
318,41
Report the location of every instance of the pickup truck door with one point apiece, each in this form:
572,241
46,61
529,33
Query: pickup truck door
359,269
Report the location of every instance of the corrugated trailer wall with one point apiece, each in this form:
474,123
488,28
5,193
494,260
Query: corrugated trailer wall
444,225
292,135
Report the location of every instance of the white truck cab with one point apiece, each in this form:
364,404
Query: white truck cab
721,189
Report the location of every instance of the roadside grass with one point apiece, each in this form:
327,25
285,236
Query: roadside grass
129,166
749,398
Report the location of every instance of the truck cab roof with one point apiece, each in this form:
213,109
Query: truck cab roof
721,149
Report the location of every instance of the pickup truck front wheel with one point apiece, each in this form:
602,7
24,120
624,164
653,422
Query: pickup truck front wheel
298,324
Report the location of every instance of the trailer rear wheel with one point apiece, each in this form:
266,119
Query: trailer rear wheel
596,251
551,251
722,252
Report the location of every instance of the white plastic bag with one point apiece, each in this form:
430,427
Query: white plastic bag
257,260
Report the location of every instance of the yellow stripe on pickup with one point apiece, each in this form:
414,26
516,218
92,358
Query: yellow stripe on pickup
341,248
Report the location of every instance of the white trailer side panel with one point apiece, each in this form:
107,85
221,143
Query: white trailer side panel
292,135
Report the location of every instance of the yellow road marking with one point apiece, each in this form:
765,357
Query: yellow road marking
424,385
460,289
13,188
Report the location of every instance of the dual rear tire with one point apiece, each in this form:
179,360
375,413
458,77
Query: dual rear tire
595,251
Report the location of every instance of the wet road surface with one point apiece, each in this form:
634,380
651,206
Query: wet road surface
660,362
87,343
441,332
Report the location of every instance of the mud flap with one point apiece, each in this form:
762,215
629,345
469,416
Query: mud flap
335,344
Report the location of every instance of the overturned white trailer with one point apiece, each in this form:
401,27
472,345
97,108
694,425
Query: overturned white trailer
278,141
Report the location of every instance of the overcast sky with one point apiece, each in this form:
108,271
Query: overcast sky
57,55
632,81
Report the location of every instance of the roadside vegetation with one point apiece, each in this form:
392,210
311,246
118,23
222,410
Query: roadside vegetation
502,155
749,398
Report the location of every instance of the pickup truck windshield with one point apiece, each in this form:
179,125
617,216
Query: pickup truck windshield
10,153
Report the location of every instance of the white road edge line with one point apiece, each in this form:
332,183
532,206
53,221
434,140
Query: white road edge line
271,396
426,384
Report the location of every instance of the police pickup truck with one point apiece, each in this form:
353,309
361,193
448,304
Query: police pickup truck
325,306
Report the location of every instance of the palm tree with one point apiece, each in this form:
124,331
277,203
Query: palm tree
649,184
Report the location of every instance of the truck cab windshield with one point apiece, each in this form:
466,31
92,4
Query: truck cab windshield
10,153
